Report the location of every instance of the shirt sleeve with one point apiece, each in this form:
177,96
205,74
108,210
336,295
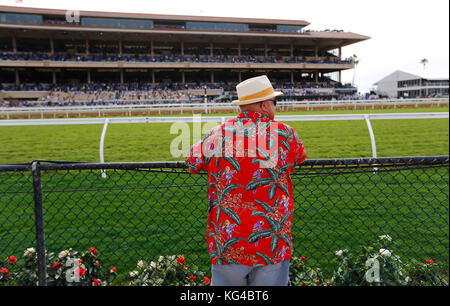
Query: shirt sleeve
300,152
195,159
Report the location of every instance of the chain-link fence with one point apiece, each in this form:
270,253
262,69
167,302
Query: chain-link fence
141,211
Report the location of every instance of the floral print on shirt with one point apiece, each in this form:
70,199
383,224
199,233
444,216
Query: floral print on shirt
249,160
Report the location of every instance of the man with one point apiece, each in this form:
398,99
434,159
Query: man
248,160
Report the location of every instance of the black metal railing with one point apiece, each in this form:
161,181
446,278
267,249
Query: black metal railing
144,210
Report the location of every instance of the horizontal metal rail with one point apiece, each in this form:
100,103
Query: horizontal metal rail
189,119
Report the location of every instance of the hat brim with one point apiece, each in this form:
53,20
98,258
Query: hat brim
273,95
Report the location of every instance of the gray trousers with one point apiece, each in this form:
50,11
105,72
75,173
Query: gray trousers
240,275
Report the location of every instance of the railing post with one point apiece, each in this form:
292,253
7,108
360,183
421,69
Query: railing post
39,223
102,144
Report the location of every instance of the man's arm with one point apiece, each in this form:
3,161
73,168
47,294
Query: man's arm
195,159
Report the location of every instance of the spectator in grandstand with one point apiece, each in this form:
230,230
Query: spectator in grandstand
250,190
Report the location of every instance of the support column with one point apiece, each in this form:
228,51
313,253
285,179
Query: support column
153,78
52,46
211,47
212,76
89,75
292,77
122,76
266,51
14,44
87,47
316,52
17,77
292,50
54,76
182,48
239,49
120,48
340,53
240,76
152,51
316,77
183,76
340,76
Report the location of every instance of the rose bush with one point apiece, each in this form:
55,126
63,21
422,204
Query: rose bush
168,271
67,268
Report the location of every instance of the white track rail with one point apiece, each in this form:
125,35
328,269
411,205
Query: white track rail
219,120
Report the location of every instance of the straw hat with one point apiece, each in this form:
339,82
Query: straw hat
255,90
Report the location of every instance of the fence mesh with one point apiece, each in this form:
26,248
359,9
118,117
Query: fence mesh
142,211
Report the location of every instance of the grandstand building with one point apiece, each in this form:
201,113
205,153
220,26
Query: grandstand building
43,51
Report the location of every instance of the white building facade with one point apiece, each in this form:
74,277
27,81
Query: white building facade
406,85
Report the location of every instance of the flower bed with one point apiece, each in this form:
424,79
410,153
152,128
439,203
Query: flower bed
374,265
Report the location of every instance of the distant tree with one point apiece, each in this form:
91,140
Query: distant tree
424,62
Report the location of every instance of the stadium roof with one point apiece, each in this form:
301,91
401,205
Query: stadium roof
14,9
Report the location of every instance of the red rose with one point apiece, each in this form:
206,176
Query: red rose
80,261
96,282
81,271
303,258
304,284
192,277
97,263
317,282
56,265
181,261
114,269
328,284
93,250
207,280
12,259
5,271
431,261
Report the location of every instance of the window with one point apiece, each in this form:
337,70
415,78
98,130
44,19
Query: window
117,23
21,18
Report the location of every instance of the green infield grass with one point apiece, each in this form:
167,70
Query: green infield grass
151,142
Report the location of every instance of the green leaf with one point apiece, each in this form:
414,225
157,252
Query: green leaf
263,153
282,133
230,188
231,242
284,188
266,206
286,217
286,239
233,215
218,213
274,243
266,258
272,191
234,163
259,235
258,183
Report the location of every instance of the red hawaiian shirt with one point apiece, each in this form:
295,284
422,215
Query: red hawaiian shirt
249,160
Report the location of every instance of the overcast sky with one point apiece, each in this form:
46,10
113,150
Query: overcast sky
402,31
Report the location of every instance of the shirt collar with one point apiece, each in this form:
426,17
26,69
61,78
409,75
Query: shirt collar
252,115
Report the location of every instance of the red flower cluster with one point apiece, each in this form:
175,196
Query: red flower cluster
5,271
93,251
303,258
114,269
192,277
96,282
181,261
56,265
431,262
81,271
12,259
207,280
